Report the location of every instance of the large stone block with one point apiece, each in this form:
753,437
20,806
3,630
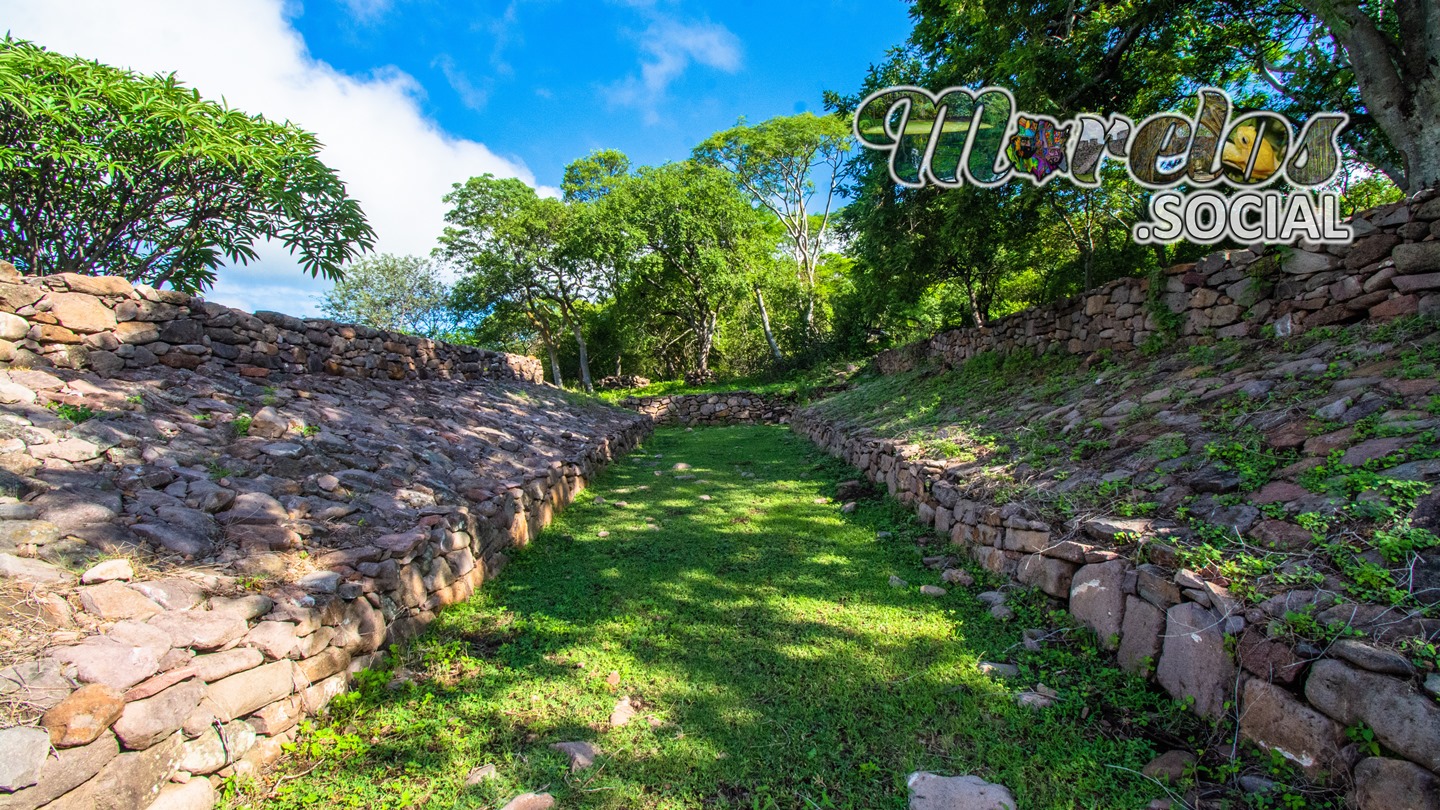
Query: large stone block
1140,636
128,781
23,751
1403,720
200,629
81,313
1097,599
147,722
1276,721
1194,663
1049,575
196,794
1421,257
239,695
82,717
1389,784
70,768
209,753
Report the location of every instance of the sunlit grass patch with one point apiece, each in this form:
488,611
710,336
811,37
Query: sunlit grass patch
772,663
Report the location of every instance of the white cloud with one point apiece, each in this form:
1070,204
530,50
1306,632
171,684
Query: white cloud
473,96
670,46
397,162
366,11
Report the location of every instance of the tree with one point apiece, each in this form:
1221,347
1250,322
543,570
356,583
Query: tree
1376,59
684,242
519,247
593,176
104,171
399,293
777,163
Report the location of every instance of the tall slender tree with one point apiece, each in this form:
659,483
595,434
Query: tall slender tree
790,167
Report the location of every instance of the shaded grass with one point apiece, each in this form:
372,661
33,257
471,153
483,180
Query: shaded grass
773,664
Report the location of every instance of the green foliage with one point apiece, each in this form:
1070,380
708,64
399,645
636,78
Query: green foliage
1168,446
777,163
685,244
397,293
73,413
1396,543
107,171
241,424
1425,655
1248,456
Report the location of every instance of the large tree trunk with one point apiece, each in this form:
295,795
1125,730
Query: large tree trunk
765,325
1399,79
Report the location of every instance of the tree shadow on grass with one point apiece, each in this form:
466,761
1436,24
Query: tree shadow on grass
773,664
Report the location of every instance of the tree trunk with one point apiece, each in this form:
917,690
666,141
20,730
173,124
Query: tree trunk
584,357
1398,79
765,325
705,334
549,341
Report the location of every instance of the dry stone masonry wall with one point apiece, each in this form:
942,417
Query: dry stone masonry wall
1392,269
1190,635
105,323
1187,633
730,408
199,546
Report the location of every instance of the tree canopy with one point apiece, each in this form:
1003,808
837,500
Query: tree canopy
399,293
104,171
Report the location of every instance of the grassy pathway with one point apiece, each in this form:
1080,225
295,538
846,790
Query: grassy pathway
754,627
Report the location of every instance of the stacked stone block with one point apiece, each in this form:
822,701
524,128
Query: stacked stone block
106,324
1391,270
729,408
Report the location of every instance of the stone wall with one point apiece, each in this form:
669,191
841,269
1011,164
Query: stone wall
1392,269
106,324
202,540
729,408
1190,635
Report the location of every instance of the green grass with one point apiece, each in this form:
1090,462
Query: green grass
759,631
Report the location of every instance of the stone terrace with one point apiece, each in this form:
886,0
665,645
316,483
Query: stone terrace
198,554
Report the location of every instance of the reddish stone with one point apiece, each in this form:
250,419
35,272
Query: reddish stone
1280,534
1276,721
82,717
1292,434
1279,492
1396,307
1373,449
1323,444
1387,784
1269,659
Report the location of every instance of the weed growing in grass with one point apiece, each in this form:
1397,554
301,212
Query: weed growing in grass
241,424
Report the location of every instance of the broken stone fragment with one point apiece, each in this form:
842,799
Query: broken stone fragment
930,791
581,754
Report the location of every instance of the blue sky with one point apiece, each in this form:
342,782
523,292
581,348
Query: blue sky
546,81
411,96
